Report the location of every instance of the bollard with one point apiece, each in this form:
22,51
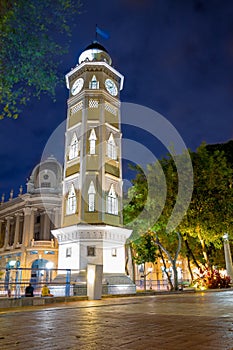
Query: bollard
94,281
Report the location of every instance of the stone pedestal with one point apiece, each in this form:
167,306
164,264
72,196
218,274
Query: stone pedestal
94,281
99,245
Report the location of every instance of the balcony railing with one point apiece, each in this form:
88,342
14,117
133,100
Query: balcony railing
42,243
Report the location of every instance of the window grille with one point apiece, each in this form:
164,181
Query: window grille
111,148
68,252
110,108
93,103
112,202
91,197
74,147
94,84
90,251
76,107
71,201
92,140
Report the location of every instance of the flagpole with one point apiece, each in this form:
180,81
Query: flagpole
96,32
101,32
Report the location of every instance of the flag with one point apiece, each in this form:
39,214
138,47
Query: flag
102,33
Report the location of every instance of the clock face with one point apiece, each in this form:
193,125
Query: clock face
77,86
111,87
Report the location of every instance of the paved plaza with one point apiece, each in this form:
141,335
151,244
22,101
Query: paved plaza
197,321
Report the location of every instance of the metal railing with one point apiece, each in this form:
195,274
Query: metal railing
13,281
159,285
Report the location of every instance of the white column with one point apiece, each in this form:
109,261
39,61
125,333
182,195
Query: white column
7,232
16,238
228,258
21,221
1,242
32,223
47,229
57,217
12,232
26,226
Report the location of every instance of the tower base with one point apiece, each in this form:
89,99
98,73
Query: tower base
83,244
112,284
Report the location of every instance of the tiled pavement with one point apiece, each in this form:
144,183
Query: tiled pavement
200,321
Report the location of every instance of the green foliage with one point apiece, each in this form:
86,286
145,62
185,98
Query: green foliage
155,195
34,35
212,279
137,196
166,240
227,148
145,249
210,211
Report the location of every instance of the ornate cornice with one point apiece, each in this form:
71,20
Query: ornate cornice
103,234
94,66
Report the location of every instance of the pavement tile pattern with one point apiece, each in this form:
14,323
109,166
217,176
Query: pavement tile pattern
187,321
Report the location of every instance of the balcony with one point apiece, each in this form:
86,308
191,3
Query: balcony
47,244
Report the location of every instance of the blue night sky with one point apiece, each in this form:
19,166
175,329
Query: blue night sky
177,59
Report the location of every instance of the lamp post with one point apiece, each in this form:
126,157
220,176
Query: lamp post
145,274
228,258
49,266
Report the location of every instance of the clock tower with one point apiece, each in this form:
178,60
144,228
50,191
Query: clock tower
91,229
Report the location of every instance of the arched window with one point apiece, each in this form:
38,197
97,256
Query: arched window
111,148
91,197
112,202
71,201
94,84
74,147
92,140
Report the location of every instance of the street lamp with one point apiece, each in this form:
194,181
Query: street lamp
228,258
49,266
145,274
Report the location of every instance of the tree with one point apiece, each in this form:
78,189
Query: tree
34,35
152,245
144,250
226,147
208,215
137,196
153,206
171,259
210,211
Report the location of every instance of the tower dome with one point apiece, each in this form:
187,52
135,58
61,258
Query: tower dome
95,52
46,177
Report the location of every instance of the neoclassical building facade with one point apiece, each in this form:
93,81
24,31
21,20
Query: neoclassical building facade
26,222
